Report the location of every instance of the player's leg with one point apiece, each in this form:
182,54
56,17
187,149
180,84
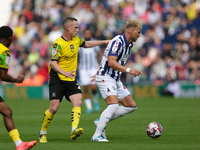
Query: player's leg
76,100
95,93
128,106
107,87
95,97
85,82
87,99
125,98
10,126
48,116
55,96
105,117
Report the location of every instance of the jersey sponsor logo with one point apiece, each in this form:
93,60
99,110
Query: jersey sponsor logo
70,57
7,59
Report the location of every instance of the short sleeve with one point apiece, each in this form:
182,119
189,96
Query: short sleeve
82,42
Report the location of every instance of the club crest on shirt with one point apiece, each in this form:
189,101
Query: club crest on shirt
72,47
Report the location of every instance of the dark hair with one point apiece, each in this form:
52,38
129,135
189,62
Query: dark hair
5,32
67,20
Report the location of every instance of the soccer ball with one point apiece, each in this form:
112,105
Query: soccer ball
154,130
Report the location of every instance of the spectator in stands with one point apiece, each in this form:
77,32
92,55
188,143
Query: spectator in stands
164,23
173,88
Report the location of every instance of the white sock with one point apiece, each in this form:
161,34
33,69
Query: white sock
96,97
88,103
17,143
43,132
105,118
121,111
73,129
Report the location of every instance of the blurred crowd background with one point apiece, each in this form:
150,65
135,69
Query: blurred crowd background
169,46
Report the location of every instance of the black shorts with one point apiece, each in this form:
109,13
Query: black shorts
58,89
1,99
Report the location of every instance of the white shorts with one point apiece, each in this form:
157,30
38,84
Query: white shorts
109,86
84,76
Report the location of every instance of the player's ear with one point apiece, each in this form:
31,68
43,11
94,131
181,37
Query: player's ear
67,28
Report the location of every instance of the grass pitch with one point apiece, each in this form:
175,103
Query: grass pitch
180,119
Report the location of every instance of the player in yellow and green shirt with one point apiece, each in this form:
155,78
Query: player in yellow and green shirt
62,72
5,41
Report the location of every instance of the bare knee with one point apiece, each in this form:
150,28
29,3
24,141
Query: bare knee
76,100
7,112
54,105
77,103
128,101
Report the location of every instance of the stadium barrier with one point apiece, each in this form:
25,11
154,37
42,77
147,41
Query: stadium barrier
140,90
24,93
188,89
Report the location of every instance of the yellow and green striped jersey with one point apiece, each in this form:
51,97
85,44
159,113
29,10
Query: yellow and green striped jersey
4,56
66,53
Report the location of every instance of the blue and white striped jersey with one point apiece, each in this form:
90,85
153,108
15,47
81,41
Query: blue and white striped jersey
120,48
88,57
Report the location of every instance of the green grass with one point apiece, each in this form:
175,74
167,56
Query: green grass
180,119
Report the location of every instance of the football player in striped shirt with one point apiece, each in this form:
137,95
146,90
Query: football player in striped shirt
108,78
88,65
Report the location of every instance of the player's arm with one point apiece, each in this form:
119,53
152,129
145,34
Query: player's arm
56,67
95,43
112,62
8,78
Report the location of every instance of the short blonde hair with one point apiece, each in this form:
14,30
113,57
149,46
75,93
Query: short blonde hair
132,24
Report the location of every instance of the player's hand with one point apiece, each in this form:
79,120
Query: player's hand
135,72
93,78
70,74
20,78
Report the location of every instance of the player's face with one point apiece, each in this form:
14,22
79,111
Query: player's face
135,33
73,29
87,35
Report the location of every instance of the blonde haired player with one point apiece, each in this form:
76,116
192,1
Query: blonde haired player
108,79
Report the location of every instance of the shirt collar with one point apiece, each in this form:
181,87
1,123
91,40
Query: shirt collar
127,44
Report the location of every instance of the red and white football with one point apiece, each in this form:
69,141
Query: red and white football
154,130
